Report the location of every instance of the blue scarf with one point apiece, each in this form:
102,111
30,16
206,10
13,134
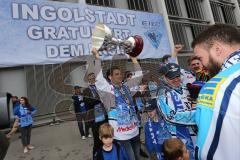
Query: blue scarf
182,132
126,111
98,108
158,138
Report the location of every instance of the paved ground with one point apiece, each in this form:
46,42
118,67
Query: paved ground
58,142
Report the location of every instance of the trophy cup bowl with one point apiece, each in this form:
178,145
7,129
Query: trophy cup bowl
102,39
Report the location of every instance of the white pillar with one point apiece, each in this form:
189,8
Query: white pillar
121,4
160,7
82,1
208,11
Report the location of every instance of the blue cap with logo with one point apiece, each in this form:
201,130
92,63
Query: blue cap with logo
150,104
172,70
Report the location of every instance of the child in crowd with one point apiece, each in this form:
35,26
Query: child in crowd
156,131
174,149
110,150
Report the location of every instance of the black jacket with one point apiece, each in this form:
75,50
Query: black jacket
90,101
77,103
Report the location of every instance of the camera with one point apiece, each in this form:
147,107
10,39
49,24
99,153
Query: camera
6,111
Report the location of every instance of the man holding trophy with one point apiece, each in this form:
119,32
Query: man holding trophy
115,94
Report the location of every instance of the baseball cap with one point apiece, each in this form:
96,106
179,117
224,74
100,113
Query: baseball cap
77,87
165,57
172,70
150,104
162,69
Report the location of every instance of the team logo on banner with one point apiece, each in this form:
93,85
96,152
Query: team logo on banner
154,37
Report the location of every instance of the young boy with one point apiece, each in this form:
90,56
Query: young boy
156,131
174,149
110,150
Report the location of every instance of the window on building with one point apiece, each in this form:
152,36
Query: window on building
179,34
223,12
187,20
197,29
142,5
173,7
194,9
107,3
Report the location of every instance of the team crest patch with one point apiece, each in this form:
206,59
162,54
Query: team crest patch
154,37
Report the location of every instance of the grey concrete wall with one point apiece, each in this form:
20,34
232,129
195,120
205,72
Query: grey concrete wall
13,80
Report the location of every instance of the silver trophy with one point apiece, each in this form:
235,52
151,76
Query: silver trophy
103,40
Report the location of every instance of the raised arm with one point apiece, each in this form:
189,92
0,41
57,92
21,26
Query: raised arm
104,88
176,50
137,78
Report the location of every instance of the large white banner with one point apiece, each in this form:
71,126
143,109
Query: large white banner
42,32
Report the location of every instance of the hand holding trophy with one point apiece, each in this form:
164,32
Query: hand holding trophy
103,40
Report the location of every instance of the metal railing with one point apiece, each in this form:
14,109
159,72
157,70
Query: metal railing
194,9
179,31
106,3
141,5
173,7
223,12
186,25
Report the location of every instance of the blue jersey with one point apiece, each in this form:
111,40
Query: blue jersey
123,118
218,113
24,115
172,101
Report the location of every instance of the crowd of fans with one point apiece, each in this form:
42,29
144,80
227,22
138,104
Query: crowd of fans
175,113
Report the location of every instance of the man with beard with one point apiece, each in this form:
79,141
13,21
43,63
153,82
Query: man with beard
217,112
